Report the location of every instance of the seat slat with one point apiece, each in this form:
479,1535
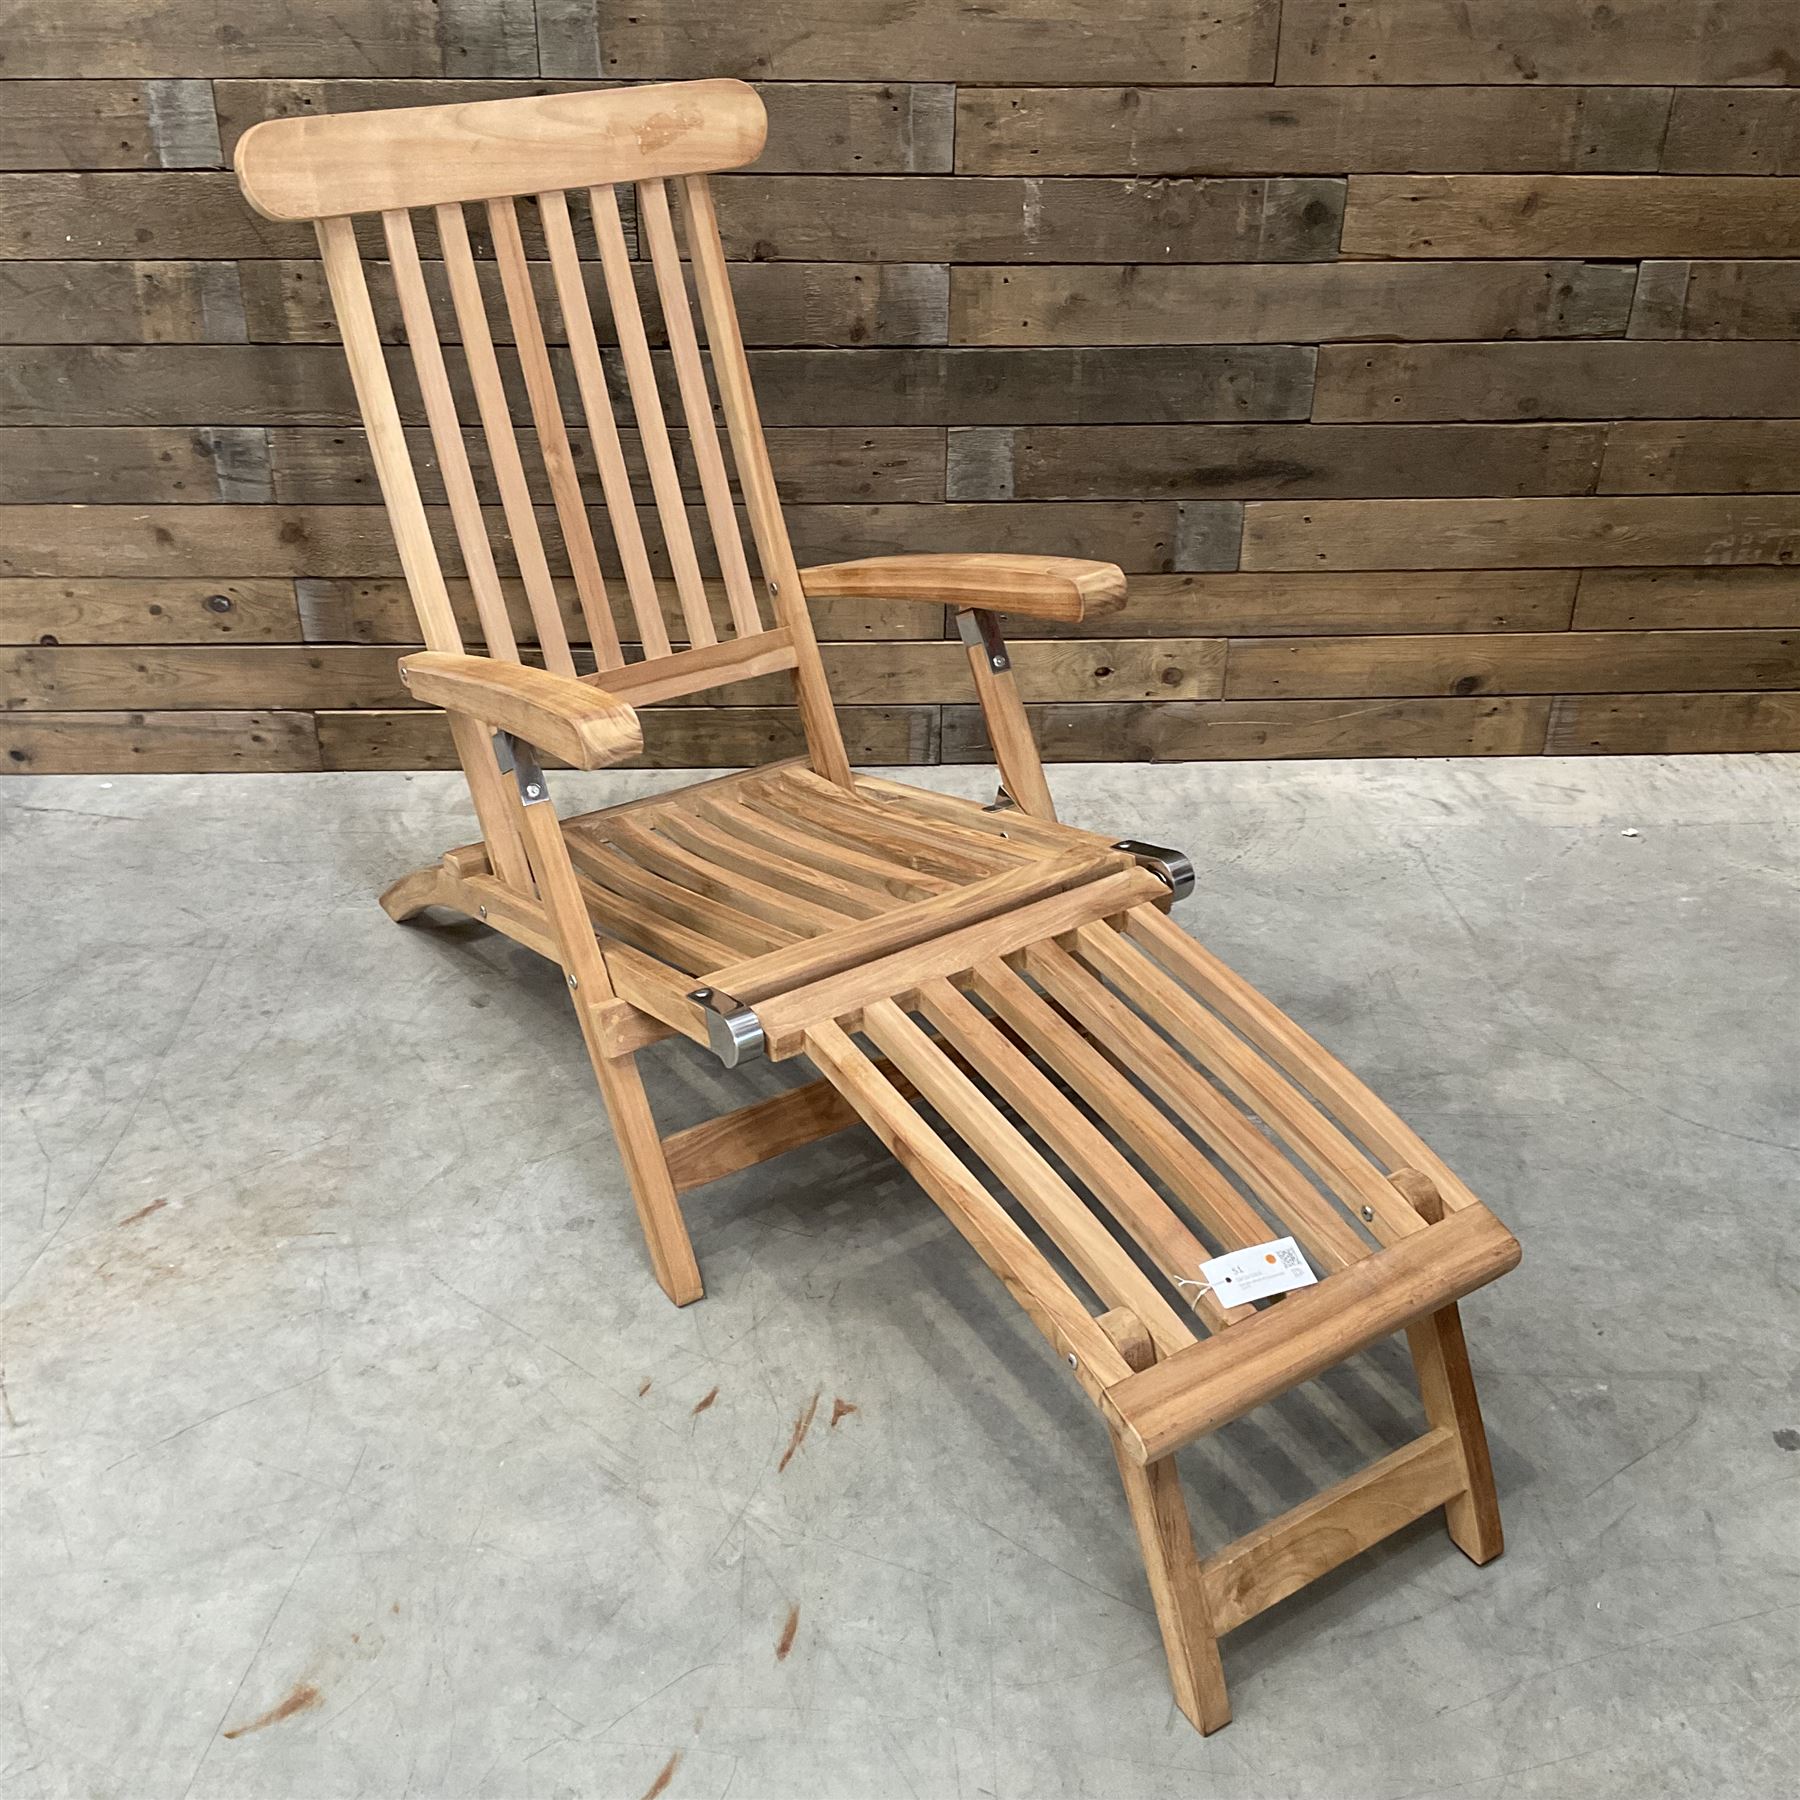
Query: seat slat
657,230
815,851
1007,822
603,427
646,404
748,936
1077,1140
503,448
817,794
552,435
757,857
1139,1047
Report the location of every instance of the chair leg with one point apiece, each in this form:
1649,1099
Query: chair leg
1166,1537
411,894
647,1169
1447,1386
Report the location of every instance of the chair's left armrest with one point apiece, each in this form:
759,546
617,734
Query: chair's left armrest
1066,589
583,725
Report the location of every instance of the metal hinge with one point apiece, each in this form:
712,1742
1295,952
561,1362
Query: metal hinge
1172,867
517,759
979,629
733,1031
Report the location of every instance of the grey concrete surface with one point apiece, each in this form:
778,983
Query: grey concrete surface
350,1450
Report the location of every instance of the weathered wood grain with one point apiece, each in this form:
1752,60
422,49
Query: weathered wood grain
271,37
1734,131
960,218
198,465
1593,379
1717,300
1570,215
1176,462
1544,534
107,125
695,737
945,40
1110,669
1225,730
197,213
1559,662
855,128
306,384
1702,456
177,611
1672,724
833,463
1287,303
1330,605
1394,42
120,303
1692,599
157,743
1172,131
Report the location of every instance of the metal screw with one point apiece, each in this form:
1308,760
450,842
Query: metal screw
219,603
482,911
1368,1212
573,983
532,790
1073,1362
774,588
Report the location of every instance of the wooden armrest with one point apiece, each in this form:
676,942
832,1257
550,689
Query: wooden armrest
1065,588
585,726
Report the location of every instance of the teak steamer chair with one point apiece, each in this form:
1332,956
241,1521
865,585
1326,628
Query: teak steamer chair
1019,976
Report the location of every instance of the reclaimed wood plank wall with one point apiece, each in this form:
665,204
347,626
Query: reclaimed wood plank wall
1434,366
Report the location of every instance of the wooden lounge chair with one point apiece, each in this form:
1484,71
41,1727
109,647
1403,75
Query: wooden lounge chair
1143,1108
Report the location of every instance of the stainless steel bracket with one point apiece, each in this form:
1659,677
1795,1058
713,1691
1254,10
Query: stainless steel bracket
1172,867
980,630
733,1031
517,759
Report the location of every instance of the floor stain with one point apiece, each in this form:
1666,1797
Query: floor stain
704,1402
802,1426
785,1642
840,1409
143,1212
645,1388
302,1698
664,1776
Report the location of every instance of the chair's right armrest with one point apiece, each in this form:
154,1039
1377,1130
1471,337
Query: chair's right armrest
1067,589
583,725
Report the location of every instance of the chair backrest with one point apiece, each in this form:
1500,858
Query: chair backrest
660,142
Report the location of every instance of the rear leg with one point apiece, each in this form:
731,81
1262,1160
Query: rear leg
411,894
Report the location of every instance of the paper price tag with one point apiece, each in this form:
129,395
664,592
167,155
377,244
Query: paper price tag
1262,1269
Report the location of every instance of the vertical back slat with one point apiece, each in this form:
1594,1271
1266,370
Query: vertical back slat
646,403
552,435
412,531
737,400
657,229
496,423
446,435
603,429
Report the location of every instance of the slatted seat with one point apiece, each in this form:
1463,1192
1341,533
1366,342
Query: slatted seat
1097,1104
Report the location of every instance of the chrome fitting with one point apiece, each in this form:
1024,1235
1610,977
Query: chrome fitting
733,1031
1171,867
980,630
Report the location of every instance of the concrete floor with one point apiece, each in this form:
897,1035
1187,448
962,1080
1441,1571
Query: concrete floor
351,1450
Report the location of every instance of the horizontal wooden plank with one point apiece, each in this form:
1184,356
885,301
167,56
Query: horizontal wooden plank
866,128
1330,605
120,303
694,737
835,463
1734,131
945,40
307,384
1717,300
1287,303
157,743
1571,215
1109,669
107,466
1393,42
1561,662
984,219
1694,599
107,125
1672,724
355,540
1609,379
1229,730
1701,456
378,610
1540,534
192,611
1044,462
1167,131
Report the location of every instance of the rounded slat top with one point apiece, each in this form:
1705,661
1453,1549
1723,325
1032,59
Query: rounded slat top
328,165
